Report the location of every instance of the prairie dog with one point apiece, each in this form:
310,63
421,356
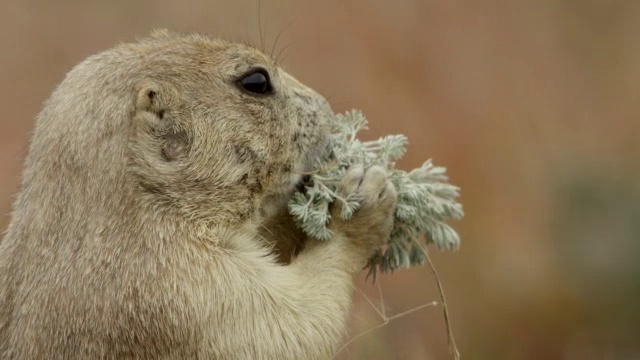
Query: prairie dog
138,232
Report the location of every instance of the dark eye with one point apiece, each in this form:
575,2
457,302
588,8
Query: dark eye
256,82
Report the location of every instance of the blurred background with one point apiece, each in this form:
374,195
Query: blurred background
532,105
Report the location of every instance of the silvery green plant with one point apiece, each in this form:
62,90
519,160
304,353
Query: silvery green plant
425,200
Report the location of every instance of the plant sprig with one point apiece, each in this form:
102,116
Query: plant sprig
425,200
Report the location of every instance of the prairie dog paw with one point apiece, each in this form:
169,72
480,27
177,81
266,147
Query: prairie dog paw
372,221
375,190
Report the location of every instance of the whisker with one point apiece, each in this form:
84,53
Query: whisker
275,43
283,49
260,25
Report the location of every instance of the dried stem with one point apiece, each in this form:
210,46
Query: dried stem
453,349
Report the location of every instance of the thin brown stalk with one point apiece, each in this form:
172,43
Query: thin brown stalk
453,349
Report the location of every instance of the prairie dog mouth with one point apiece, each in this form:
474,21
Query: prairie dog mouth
298,181
275,203
304,182
314,157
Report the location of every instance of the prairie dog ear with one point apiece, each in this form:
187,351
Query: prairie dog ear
156,98
157,109
148,97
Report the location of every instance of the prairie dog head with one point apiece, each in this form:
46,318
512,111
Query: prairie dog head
217,128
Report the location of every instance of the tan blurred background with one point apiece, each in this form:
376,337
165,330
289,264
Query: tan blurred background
533,106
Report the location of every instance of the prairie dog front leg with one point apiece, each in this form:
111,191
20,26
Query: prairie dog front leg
304,306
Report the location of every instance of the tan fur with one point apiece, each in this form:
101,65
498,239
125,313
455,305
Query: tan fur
143,226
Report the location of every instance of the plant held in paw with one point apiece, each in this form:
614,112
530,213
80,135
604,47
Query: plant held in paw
425,200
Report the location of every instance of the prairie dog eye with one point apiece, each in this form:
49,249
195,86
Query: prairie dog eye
256,82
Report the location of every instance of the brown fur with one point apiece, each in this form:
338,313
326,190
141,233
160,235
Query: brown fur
151,192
